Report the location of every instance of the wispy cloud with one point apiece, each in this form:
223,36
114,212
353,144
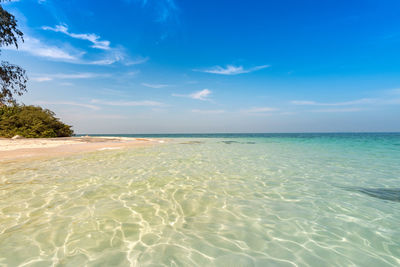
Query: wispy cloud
199,95
143,103
394,91
67,53
42,79
165,12
346,103
259,110
10,1
91,37
202,111
80,115
37,48
68,103
231,69
108,60
155,85
132,73
165,9
66,84
63,76
116,55
389,98
136,61
338,110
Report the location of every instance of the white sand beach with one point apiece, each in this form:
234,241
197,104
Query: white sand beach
42,147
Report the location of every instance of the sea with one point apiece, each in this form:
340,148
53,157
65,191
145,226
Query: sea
315,199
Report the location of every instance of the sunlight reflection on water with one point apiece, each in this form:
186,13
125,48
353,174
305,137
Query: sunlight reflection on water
205,201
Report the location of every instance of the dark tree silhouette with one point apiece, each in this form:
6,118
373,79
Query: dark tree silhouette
13,78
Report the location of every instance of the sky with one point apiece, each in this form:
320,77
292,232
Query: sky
174,66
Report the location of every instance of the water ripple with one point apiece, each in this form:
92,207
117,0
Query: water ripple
263,202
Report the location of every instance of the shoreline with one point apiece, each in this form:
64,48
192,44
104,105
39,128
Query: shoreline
52,147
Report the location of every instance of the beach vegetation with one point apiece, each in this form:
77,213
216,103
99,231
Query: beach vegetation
16,119
13,78
31,122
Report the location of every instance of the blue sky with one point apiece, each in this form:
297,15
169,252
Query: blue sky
165,66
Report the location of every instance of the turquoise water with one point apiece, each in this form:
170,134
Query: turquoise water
209,200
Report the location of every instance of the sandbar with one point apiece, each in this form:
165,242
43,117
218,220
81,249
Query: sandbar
49,147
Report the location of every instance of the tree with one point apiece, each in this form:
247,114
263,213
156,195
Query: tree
13,78
31,122
15,119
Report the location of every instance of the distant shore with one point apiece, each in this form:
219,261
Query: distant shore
45,147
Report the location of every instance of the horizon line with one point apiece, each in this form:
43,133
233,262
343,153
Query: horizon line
205,133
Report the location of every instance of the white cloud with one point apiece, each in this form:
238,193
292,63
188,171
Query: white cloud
66,84
91,37
136,61
338,110
156,86
200,95
231,69
347,103
202,111
303,102
106,61
69,103
67,53
37,48
144,103
77,76
117,55
112,56
42,79
132,73
259,110
85,117
10,1
63,76
288,113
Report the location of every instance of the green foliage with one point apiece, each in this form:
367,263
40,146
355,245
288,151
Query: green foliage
9,33
12,77
27,121
12,82
31,122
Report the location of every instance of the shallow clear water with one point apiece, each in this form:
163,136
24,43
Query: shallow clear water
261,200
